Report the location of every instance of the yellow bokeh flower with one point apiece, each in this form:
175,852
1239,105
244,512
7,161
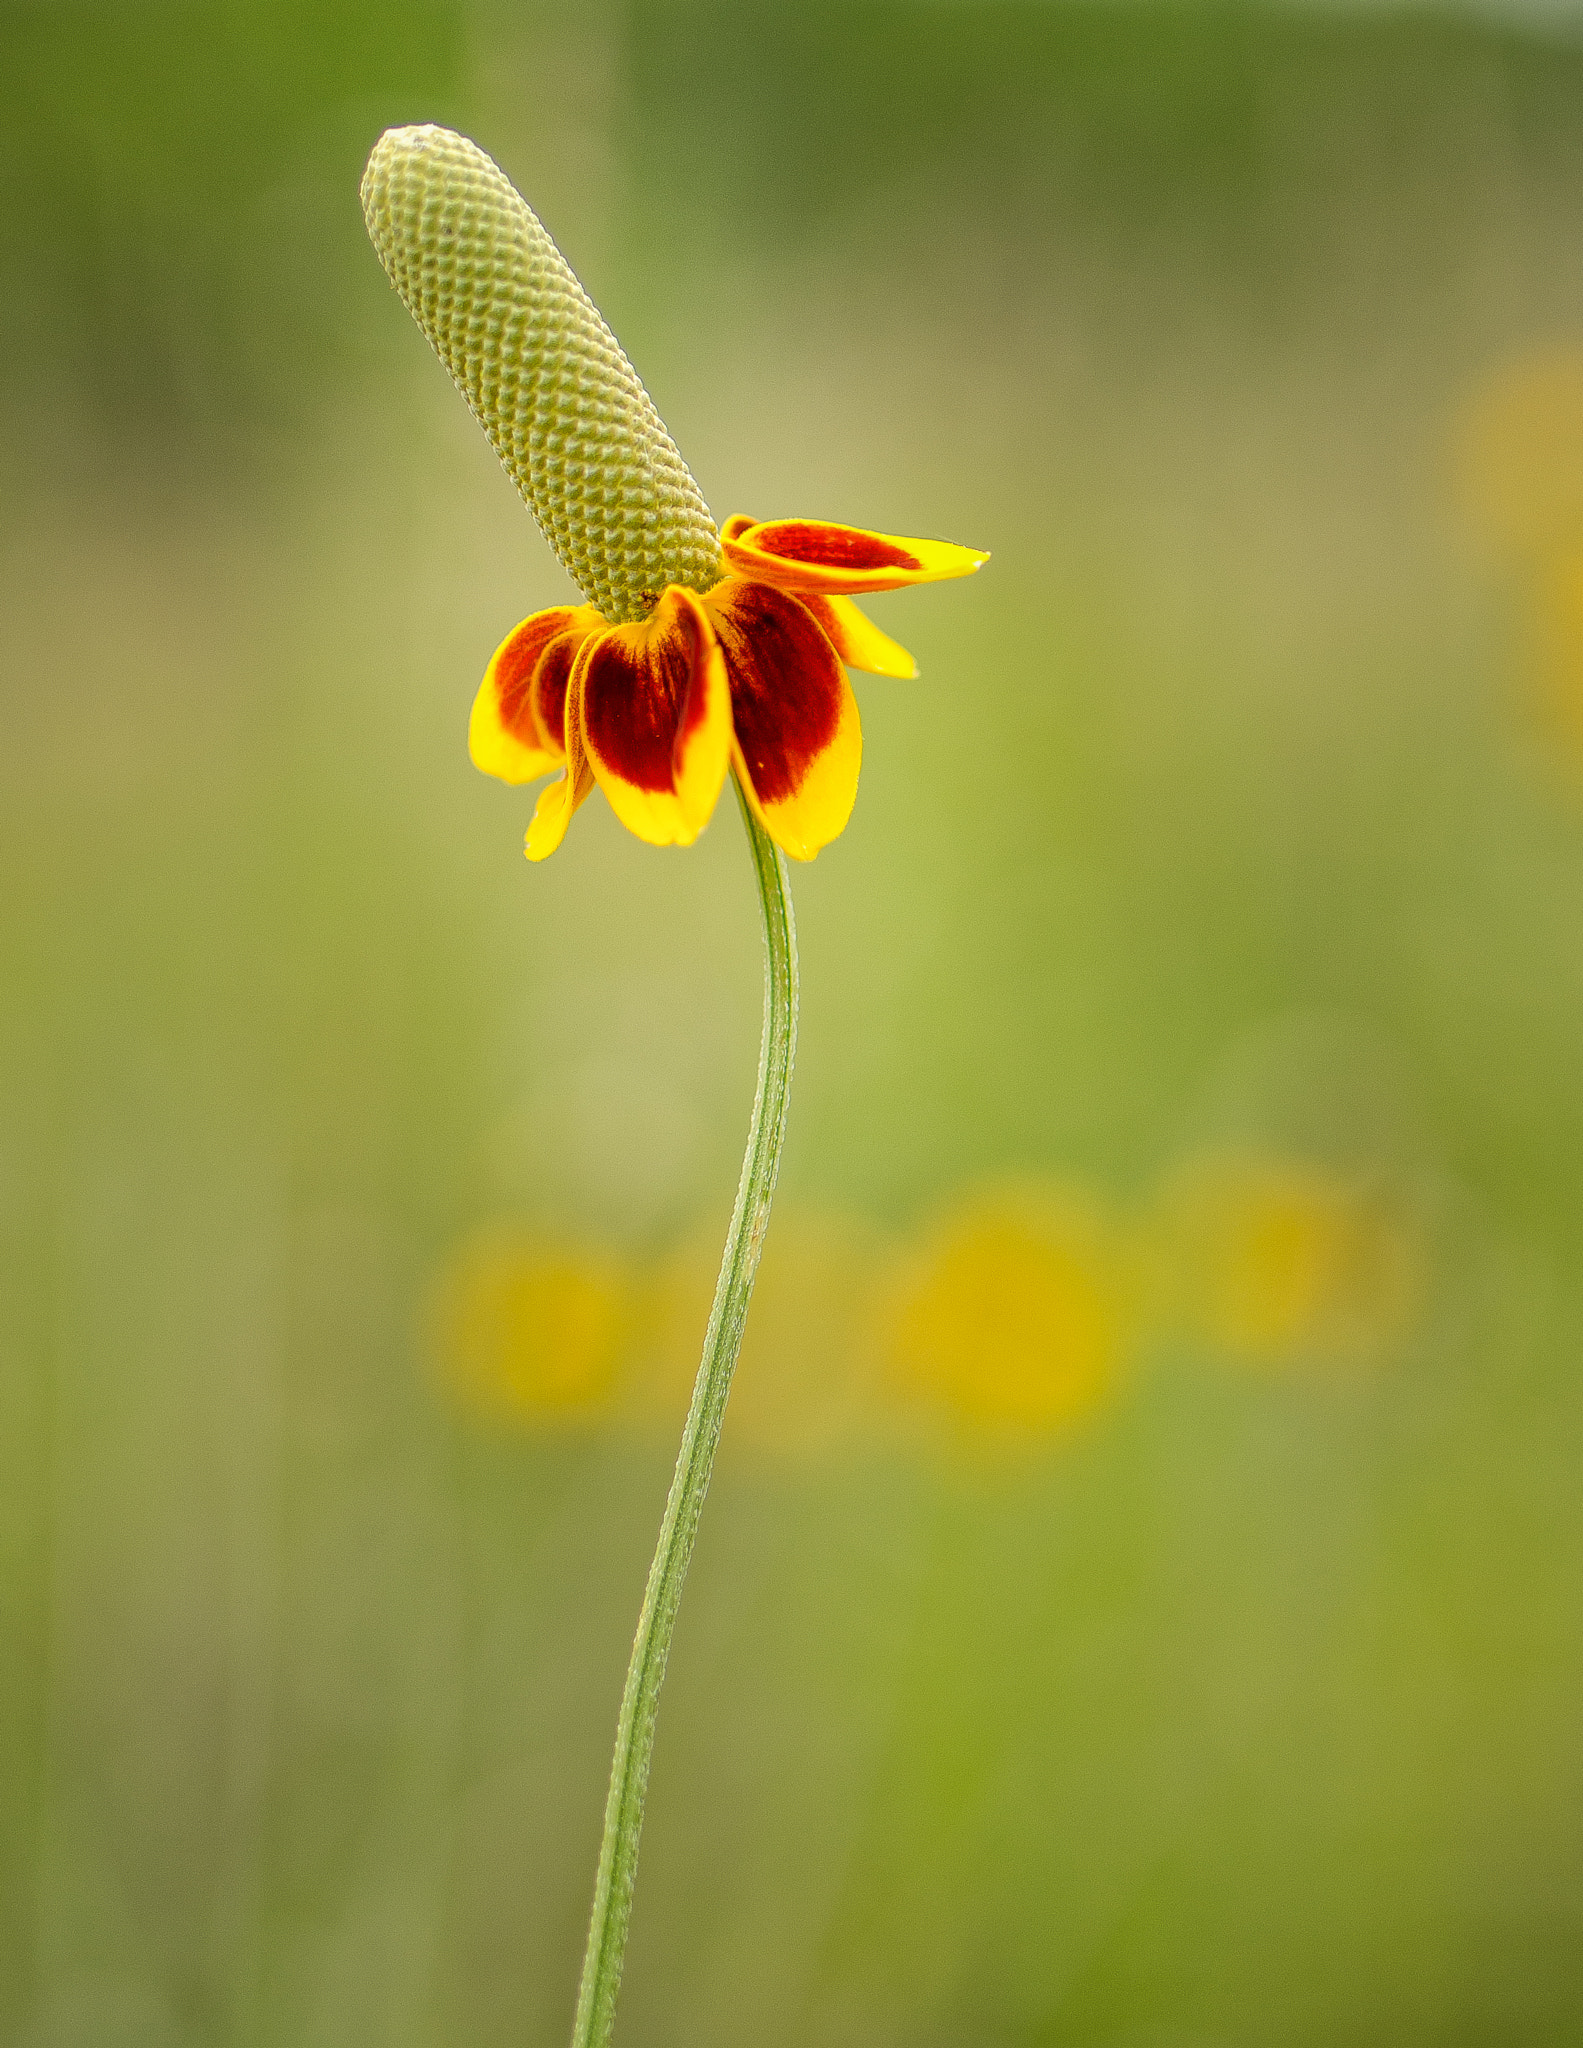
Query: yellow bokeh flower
530,1334
1519,459
1555,646
1011,1319
1280,1262
1518,453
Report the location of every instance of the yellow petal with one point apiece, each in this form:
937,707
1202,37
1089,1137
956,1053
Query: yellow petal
857,640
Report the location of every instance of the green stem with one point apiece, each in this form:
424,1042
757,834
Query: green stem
629,1772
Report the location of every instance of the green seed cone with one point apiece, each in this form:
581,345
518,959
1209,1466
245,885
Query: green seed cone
546,379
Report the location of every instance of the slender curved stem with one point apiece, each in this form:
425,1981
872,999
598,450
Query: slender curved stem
629,1773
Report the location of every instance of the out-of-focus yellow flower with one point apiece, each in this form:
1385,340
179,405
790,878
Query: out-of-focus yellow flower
1280,1263
804,1379
1519,454
1519,449
529,1334
1012,1318
1555,650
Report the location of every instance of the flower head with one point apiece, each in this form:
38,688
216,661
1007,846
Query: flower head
528,1333
697,649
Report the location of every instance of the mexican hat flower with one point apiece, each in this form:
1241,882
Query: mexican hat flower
697,649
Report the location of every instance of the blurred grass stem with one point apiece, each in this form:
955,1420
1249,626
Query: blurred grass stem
629,1771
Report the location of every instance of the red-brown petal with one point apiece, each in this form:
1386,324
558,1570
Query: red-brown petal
799,743
507,736
655,712
570,789
819,555
550,678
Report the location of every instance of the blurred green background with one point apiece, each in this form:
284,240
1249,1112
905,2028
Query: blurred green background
1139,1602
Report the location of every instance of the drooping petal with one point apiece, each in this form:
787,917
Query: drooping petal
508,734
798,742
653,709
553,812
816,555
551,680
857,640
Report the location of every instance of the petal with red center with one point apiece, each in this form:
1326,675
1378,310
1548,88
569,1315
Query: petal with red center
550,680
655,716
553,812
817,555
857,640
508,734
799,744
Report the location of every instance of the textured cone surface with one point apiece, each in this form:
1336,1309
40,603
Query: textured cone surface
545,377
